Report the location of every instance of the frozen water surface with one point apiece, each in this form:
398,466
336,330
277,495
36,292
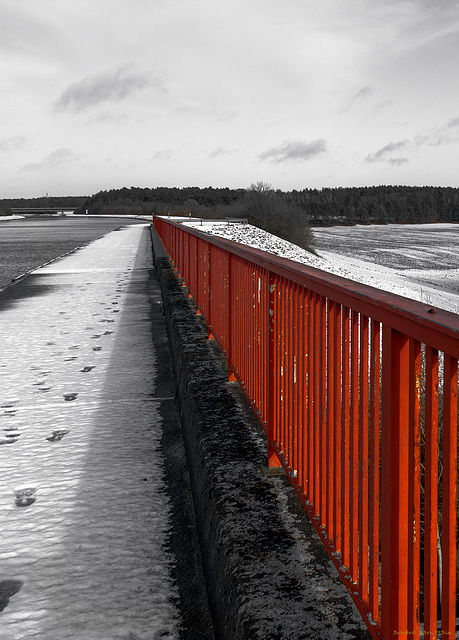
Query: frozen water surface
82,504
425,254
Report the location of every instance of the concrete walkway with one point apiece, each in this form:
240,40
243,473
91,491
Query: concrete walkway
84,515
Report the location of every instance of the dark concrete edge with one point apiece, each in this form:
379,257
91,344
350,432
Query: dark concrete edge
256,586
182,538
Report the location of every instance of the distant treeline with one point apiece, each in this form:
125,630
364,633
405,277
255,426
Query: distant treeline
288,214
324,207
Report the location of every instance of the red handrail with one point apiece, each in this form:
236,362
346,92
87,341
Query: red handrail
356,389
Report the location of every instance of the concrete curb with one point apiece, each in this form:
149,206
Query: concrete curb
255,580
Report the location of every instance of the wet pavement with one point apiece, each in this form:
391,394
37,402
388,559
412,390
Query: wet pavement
84,515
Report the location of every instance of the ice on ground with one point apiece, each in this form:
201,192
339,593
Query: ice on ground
403,282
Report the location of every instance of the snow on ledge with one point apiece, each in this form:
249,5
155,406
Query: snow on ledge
361,271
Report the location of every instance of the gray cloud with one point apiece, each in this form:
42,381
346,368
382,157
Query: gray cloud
218,152
295,151
55,160
385,153
162,154
95,90
364,93
398,161
12,143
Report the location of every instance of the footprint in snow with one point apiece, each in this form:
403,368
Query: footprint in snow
70,396
8,440
12,433
25,495
86,369
97,348
9,403
8,588
57,435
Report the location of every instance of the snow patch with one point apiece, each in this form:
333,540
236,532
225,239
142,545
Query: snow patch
401,282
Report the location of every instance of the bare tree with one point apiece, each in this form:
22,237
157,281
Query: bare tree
262,203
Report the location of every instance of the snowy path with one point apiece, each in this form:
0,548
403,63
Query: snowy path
82,548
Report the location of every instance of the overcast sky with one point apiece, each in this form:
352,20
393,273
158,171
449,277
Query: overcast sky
299,93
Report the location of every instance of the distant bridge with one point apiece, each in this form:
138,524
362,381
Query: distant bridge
43,210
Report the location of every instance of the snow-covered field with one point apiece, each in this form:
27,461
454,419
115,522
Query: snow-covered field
345,253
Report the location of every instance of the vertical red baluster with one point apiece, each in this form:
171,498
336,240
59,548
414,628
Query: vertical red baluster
449,500
337,430
414,489
431,494
354,449
375,363
329,426
317,348
345,451
304,452
322,385
363,461
272,320
395,467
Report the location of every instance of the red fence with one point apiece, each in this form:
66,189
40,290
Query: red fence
357,392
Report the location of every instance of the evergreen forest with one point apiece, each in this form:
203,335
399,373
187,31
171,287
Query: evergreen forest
288,214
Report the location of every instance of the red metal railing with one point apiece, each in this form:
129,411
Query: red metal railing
357,392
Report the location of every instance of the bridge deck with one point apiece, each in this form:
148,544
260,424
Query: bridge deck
82,549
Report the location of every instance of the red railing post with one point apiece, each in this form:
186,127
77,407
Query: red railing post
449,499
210,315
272,321
229,311
395,468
